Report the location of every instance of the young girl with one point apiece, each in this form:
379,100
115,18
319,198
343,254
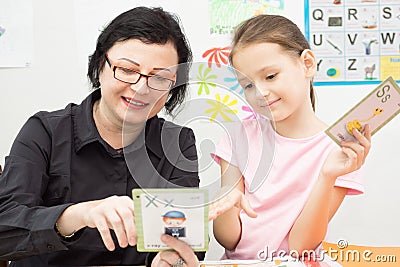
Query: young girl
284,202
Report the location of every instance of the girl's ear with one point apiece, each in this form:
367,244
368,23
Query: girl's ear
309,61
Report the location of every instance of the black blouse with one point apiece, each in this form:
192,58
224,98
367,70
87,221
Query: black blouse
59,158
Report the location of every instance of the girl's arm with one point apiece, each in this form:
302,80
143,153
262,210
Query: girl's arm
310,227
230,200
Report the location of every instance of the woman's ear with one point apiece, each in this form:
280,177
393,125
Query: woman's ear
309,61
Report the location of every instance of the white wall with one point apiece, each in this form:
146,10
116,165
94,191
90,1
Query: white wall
55,77
58,76
373,218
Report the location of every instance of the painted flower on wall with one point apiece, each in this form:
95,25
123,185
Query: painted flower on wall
221,107
204,80
253,114
217,55
236,85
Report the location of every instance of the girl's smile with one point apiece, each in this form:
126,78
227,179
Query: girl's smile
276,84
270,103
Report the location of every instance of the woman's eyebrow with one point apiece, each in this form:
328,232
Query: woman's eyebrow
162,69
130,60
137,64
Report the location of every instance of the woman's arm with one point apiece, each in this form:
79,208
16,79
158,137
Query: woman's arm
29,208
26,223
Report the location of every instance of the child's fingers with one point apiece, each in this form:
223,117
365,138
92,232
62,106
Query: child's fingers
364,139
212,215
247,207
367,132
213,212
353,159
227,203
363,147
358,154
219,207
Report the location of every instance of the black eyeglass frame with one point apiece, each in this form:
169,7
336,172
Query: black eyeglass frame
114,67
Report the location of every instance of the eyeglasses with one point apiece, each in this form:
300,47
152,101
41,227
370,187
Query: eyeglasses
126,75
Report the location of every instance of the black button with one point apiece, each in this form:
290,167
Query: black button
49,246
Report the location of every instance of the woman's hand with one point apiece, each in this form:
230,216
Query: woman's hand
227,198
117,213
350,158
182,254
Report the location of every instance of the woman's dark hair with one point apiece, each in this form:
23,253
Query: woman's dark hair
151,26
274,29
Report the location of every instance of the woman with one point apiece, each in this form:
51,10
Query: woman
64,193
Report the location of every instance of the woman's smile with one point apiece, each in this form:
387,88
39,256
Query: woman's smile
134,103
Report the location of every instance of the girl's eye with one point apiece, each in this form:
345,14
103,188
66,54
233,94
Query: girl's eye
248,86
270,77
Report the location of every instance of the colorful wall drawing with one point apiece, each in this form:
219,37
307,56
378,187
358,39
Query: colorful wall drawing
216,82
226,14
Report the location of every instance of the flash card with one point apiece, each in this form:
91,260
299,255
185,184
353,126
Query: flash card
181,213
376,109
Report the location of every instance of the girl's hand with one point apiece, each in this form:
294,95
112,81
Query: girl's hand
115,212
227,198
182,255
350,158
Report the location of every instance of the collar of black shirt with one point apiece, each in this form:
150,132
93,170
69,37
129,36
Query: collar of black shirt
85,130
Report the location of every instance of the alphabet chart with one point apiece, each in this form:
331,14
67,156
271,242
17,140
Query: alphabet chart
355,41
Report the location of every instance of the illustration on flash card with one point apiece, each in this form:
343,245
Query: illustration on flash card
181,213
376,109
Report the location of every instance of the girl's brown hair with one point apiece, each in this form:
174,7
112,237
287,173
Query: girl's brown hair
271,29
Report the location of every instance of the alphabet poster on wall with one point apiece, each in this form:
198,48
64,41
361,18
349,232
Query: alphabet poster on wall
355,41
